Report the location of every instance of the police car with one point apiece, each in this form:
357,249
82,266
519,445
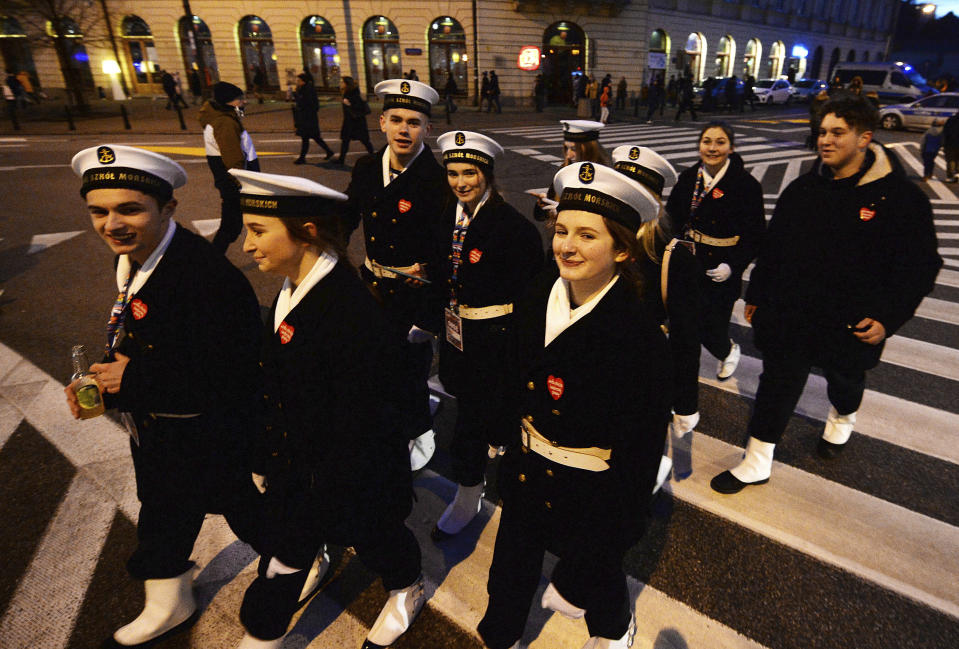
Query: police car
920,113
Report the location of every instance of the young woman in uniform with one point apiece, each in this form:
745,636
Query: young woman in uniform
718,205
495,252
587,408
332,464
580,144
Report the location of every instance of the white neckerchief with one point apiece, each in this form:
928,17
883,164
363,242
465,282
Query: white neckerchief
559,316
143,274
289,297
479,206
711,181
386,163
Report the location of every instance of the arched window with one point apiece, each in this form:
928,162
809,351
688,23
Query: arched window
447,54
814,68
865,56
258,53
141,57
79,60
833,60
695,56
195,36
725,55
777,52
851,57
318,42
564,60
381,49
15,48
880,57
754,53
658,53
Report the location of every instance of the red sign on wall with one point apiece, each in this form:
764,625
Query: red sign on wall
529,58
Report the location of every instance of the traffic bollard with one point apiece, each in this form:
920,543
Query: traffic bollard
70,123
179,113
126,118
12,109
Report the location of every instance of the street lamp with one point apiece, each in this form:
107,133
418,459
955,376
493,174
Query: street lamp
928,8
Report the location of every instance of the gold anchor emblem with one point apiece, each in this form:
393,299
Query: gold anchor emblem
460,139
634,153
405,87
105,155
587,172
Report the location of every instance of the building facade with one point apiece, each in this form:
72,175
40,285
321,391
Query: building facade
270,41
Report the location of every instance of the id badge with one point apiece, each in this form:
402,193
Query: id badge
131,425
454,329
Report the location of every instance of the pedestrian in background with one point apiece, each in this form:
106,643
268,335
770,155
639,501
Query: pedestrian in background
228,146
484,91
178,86
685,98
604,100
621,94
539,93
27,83
305,120
592,94
449,90
950,146
734,99
748,93
929,147
494,92
657,100
355,110
196,88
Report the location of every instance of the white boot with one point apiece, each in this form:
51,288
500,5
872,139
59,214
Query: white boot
397,615
729,364
169,602
321,565
421,450
665,466
605,643
757,463
838,427
682,424
553,601
464,508
249,642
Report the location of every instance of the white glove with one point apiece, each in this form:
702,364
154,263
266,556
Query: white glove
417,335
259,481
495,451
720,273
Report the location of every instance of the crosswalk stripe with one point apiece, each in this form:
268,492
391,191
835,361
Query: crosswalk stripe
759,171
944,278
948,251
792,172
907,156
948,235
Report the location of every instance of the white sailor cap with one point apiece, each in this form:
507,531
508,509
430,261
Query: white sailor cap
467,146
111,166
602,190
276,195
580,130
645,165
403,93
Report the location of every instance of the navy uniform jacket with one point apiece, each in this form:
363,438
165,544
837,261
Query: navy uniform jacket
404,223
840,251
192,335
733,207
501,253
329,408
599,383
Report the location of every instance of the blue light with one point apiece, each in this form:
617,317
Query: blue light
82,57
800,51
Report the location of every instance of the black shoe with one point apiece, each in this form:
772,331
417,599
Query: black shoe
828,450
329,154
439,535
299,161
727,483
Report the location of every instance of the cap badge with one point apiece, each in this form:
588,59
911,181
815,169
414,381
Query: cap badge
717,193
139,309
555,386
475,255
285,331
866,214
587,172
105,155
404,206
634,153
460,139
405,87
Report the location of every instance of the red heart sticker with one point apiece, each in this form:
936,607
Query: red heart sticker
139,309
404,206
286,332
717,193
866,214
555,386
475,255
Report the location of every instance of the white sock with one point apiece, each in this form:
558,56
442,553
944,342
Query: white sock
465,506
757,462
665,466
682,424
838,427
553,601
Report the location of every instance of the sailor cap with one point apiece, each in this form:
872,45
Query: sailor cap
112,166
404,93
276,195
645,165
470,147
601,190
580,130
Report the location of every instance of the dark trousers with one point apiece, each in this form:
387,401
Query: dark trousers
361,135
654,104
592,581
717,300
305,145
174,99
928,162
952,160
781,384
469,449
493,99
419,360
231,216
166,531
684,105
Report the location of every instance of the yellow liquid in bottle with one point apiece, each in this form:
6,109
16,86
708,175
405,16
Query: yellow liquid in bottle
90,399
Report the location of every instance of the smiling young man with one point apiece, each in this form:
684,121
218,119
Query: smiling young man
180,366
849,254
399,194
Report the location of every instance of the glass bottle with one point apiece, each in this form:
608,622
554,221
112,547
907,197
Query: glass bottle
85,385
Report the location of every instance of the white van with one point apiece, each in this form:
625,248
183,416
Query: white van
891,81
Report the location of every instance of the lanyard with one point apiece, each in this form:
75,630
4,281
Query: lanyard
118,312
459,236
698,192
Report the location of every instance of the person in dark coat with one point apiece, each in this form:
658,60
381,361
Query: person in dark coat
495,252
685,98
305,120
709,99
484,91
180,367
331,461
718,205
733,98
950,147
196,88
494,92
657,99
849,255
585,421
399,195
539,93
355,110
169,87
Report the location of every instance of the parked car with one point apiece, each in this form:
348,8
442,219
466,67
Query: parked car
890,81
806,89
773,91
719,91
920,114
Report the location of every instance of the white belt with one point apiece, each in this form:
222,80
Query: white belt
484,312
588,459
379,271
699,237
173,415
